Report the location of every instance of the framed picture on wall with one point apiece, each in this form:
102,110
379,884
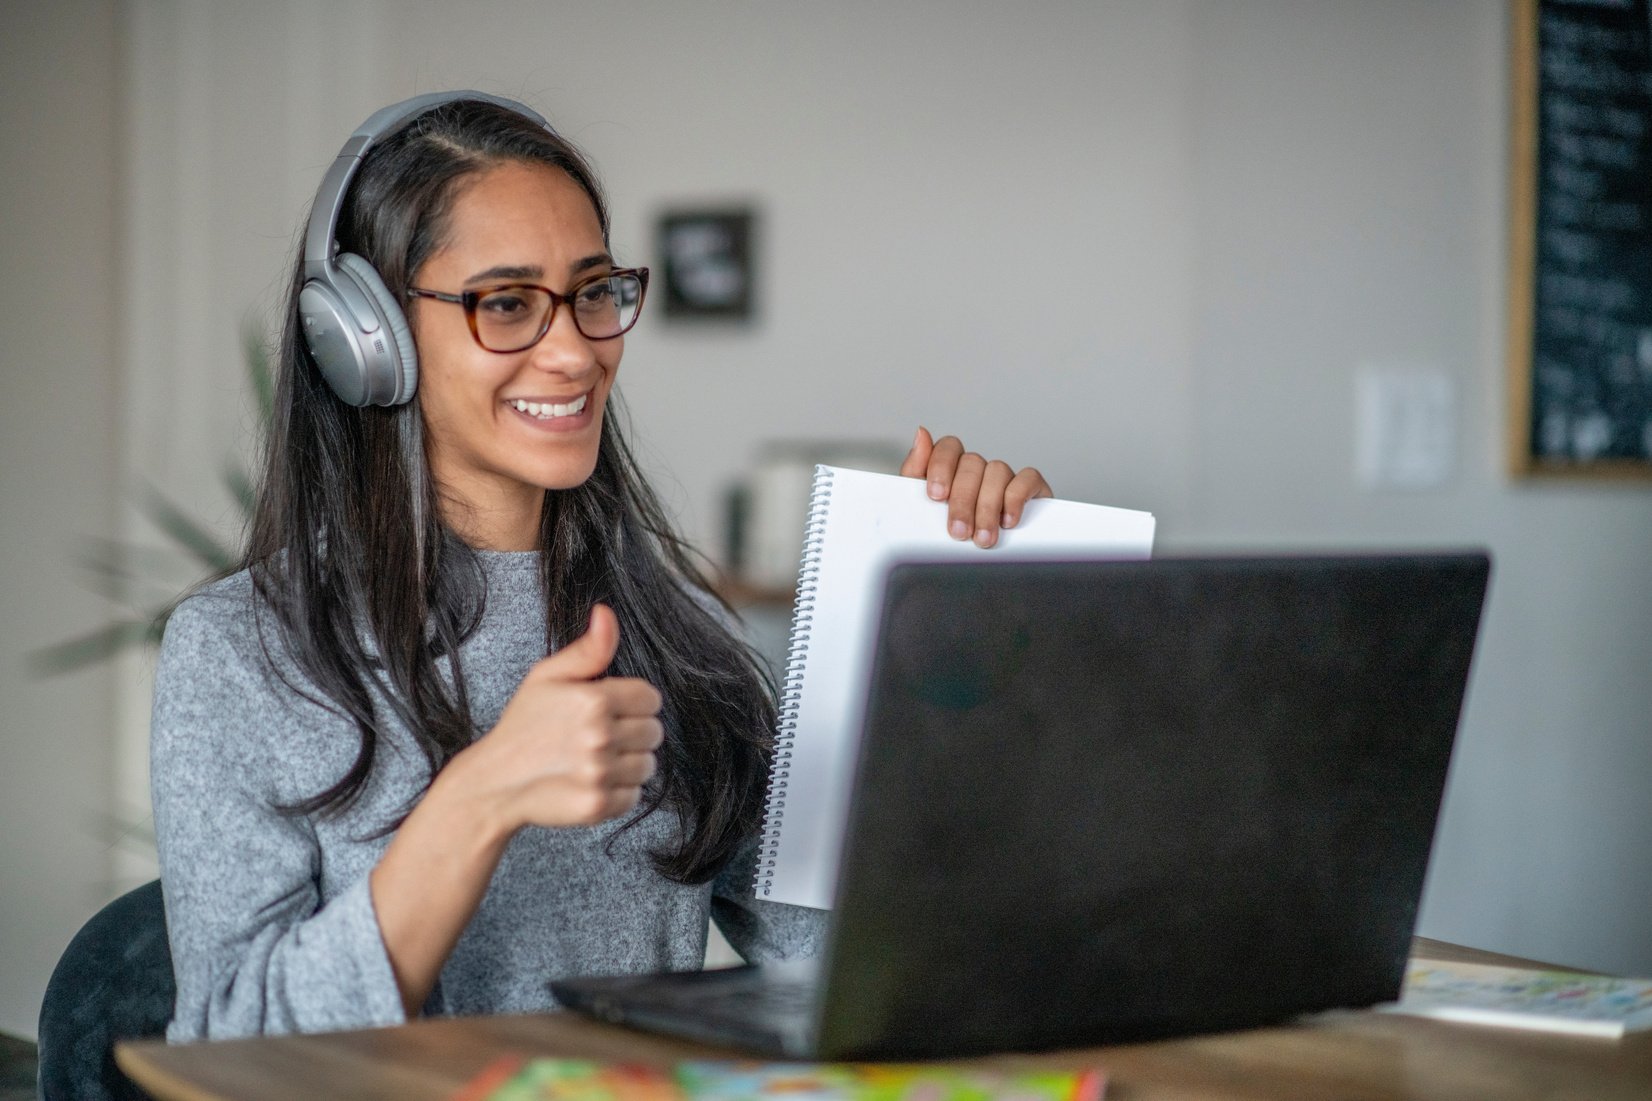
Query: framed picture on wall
1580,245
707,262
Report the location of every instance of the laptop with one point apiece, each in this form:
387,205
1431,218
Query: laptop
1110,801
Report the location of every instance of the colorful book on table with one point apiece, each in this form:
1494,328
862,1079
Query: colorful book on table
1552,1001
524,1079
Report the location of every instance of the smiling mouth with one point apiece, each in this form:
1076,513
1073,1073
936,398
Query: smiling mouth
546,410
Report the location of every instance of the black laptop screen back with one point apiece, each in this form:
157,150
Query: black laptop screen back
1103,801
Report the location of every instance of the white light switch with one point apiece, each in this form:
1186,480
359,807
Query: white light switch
1405,428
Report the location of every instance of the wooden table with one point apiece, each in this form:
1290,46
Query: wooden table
1350,1055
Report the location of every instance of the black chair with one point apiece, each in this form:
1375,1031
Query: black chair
114,982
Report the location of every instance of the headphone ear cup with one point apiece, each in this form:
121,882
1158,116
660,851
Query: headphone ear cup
393,377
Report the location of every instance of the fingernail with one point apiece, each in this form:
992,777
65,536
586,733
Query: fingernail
1006,521
983,538
917,436
959,529
937,492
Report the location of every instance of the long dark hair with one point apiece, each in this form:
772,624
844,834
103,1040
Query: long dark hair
348,550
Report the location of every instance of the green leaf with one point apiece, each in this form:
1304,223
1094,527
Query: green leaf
258,370
104,643
103,562
111,566
187,533
241,487
134,831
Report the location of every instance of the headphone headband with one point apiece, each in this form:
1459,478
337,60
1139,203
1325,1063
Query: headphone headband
320,239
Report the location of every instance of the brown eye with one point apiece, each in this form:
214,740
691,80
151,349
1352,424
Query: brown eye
505,306
595,297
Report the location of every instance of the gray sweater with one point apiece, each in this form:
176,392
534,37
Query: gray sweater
271,923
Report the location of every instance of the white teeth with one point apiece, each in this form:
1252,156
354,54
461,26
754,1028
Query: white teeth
546,410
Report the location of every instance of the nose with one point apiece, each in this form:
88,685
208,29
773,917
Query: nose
563,350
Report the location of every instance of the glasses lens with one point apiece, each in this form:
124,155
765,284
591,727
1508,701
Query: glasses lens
511,318
608,306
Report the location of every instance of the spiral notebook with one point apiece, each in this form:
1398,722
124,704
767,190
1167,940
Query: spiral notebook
859,525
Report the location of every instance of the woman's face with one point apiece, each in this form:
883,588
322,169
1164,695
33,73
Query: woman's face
513,223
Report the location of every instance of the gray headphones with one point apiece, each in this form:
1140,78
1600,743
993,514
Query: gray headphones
352,324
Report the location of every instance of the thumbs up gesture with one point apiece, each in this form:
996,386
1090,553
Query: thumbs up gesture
572,748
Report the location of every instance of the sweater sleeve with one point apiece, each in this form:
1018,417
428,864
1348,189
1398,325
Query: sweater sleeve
762,931
254,949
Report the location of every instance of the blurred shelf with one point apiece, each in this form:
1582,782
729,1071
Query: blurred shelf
743,594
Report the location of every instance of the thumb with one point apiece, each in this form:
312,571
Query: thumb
588,656
917,459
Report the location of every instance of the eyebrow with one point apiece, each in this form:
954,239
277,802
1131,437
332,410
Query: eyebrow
507,271
534,271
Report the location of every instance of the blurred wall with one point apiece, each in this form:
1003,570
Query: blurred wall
60,381
1149,245
1350,211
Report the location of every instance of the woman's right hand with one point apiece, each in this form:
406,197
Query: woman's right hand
573,746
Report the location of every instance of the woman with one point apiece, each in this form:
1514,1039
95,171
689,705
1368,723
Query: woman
374,793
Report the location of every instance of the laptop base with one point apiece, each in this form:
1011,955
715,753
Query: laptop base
765,1009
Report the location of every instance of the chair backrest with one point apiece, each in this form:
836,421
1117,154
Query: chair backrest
113,982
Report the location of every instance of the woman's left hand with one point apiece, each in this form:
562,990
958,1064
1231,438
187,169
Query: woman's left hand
982,495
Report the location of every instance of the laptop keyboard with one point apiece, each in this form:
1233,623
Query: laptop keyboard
770,1008
782,998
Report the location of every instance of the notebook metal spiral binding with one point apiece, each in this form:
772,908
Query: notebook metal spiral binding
808,580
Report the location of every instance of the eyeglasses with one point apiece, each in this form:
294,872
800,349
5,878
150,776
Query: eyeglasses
514,317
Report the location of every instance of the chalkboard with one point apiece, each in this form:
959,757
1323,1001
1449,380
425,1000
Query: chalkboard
1580,316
